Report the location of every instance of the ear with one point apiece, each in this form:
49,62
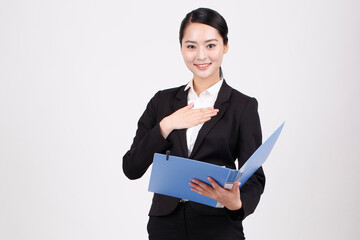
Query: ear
226,48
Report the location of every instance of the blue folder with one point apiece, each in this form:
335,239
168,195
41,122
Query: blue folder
170,175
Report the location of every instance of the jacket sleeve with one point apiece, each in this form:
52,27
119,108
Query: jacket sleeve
147,141
250,138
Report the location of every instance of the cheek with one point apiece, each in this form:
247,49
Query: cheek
216,55
188,57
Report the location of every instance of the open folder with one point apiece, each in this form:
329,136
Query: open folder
171,175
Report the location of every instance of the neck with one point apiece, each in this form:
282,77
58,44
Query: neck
201,84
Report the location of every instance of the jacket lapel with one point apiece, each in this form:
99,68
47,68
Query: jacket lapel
179,102
221,103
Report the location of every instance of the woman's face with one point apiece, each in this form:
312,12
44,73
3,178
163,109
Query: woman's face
203,49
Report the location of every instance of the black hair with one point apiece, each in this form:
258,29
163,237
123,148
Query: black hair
206,16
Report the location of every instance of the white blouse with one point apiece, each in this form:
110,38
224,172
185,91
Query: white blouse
204,100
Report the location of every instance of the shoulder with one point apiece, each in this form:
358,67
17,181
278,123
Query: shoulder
172,91
244,106
241,99
167,94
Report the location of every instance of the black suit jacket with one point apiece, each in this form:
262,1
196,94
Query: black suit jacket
233,134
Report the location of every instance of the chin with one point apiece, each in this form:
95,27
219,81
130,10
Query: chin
203,75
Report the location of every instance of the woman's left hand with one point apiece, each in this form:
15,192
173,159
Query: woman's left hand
230,198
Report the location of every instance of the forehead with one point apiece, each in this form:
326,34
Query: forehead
200,32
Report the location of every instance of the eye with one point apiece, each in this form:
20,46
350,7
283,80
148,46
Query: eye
211,45
191,46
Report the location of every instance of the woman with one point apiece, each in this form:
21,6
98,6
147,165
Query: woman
206,120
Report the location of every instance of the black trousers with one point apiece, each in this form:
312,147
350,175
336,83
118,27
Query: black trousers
185,223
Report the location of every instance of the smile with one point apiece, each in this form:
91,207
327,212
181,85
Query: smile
202,66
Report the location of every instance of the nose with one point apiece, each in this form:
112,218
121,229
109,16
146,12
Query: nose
202,54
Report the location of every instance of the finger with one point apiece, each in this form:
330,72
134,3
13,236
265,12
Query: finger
187,107
215,185
205,109
235,187
203,185
199,118
212,114
203,120
211,109
198,189
200,192
191,105
200,113
194,185
206,115
208,110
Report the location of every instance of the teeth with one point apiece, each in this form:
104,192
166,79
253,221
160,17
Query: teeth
203,65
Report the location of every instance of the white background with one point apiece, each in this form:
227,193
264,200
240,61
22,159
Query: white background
75,76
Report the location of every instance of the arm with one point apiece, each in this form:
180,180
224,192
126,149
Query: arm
240,204
147,141
250,138
151,135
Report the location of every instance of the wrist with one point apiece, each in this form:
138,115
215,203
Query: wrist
235,206
165,127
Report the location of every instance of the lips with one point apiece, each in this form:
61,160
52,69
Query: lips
202,66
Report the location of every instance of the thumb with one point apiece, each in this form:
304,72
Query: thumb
235,187
190,106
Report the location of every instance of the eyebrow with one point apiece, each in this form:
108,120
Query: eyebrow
209,40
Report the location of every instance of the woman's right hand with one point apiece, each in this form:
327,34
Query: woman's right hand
186,117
